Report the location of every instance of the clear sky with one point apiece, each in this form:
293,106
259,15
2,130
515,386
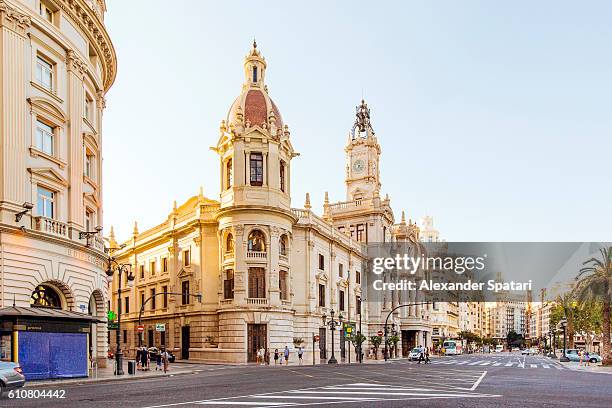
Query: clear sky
493,117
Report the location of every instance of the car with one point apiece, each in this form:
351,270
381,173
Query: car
574,355
515,349
154,351
415,353
529,352
499,348
11,376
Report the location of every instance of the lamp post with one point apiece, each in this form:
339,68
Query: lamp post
359,332
332,326
563,357
387,322
114,266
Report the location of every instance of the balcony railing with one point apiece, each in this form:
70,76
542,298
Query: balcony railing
257,301
256,255
50,226
284,258
228,255
227,301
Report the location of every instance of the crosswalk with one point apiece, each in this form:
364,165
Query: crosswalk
514,362
334,394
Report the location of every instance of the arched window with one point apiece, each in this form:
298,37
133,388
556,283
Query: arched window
283,245
229,243
45,296
229,174
257,241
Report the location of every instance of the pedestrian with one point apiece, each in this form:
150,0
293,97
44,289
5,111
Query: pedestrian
267,357
587,359
166,360
421,354
300,354
427,361
144,357
275,356
286,355
262,352
138,358
158,360
581,354
258,357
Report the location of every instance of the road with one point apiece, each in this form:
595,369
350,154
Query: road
507,380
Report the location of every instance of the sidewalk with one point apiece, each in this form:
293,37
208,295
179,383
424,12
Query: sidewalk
592,368
107,374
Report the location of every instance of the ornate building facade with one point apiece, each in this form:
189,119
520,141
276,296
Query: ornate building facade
268,273
57,64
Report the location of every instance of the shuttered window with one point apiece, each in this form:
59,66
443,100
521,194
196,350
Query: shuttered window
257,283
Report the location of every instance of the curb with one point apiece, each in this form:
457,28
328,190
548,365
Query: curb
85,381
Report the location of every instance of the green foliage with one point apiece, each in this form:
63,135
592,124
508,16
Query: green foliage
393,340
469,336
357,339
514,339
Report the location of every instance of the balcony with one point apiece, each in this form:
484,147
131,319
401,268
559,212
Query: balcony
283,258
257,301
226,301
51,226
228,255
257,255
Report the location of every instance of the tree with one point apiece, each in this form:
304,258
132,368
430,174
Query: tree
514,339
357,341
392,343
375,341
565,307
594,283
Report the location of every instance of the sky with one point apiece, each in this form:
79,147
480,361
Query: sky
494,118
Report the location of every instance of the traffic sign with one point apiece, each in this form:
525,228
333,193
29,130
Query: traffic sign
160,327
380,333
349,330
316,337
140,329
111,315
113,325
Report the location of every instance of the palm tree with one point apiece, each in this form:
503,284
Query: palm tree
595,284
567,303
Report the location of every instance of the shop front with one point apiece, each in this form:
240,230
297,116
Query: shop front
46,342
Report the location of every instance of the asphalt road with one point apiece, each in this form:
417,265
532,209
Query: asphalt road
464,381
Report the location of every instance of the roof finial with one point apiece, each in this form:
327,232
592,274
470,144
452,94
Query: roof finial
307,202
403,217
254,43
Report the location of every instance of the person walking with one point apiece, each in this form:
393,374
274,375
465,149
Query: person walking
258,357
421,354
138,358
427,360
275,356
262,354
587,359
267,357
300,354
158,360
286,353
144,358
165,360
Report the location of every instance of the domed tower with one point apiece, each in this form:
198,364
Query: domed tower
255,219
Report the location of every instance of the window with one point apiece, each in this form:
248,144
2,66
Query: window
357,277
358,304
90,222
153,298
127,304
229,174
44,73
254,73
186,257
141,269
321,295
46,203
321,262
340,270
341,300
142,300
125,336
45,12
165,296
45,136
152,267
185,293
256,164
361,232
282,176
164,264
282,245
257,283
228,284
89,165
229,244
89,107
283,284
45,296
256,241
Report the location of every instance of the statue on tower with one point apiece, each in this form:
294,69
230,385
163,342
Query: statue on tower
362,121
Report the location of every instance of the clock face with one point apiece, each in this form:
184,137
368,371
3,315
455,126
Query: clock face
358,166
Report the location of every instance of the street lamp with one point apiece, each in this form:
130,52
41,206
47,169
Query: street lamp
359,339
114,266
563,357
332,326
88,234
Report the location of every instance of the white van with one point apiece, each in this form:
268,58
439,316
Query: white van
499,348
451,348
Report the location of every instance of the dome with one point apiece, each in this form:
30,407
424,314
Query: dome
254,105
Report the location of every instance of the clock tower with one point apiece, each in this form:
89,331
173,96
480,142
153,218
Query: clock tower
362,158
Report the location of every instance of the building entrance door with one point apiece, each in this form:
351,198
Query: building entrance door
185,342
408,341
257,335
322,343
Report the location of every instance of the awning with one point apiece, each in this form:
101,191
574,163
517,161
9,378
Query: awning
46,313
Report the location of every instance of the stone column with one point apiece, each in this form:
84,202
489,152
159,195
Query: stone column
240,269
76,71
13,132
274,273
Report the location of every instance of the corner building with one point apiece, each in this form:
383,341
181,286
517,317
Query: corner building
57,63
267,272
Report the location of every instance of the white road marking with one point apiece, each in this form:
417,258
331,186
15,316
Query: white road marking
534,365
496,364
476,362
477,383
485,363
545,365
509,364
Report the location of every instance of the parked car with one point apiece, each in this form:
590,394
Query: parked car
154,351
11,376
415,353
574,355
529,352
515,349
